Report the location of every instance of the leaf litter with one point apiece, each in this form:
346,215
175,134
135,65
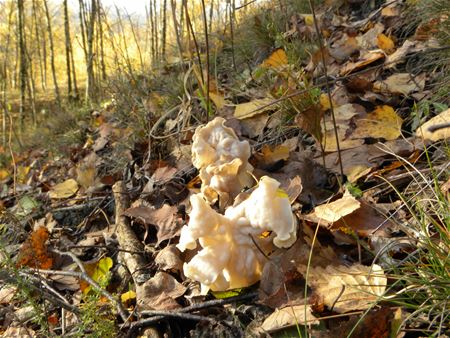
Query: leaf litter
328,270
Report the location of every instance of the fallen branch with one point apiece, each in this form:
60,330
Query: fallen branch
126,237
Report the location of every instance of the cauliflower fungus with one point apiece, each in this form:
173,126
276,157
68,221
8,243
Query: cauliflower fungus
229,257
222,161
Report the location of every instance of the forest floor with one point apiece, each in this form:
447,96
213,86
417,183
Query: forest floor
94,203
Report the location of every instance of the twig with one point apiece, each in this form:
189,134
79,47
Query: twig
205,28
7,278
83,275
183,313
325,71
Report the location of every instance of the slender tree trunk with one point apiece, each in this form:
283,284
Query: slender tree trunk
52,53
152,28
38,43
23,61
4,86
155,14
100,33
90,86
67,41
164,30
176,29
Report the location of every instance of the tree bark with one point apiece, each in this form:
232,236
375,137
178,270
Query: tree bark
68,47
22,61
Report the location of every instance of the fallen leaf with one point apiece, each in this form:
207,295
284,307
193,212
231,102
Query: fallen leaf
65,189
366,59
159,293
333,211
399,55
401,83
127,296
25,206
385,43
277,59
383,122
426,131
218,100
289,316
163,218
22,173
368,40
274,154
4,174
168,259
7,294
254,126
252,108
294,189
345,288
99,272
364,221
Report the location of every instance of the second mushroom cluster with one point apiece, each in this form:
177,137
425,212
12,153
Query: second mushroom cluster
231,254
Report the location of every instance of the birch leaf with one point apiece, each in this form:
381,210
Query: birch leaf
64,190
289,316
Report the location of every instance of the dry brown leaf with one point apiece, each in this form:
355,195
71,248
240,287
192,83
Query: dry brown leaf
401,83
254,126
289,316
443,119
7,294
383,122
159,293
368,40
345,288
365,60
252,108
163,218
399,55
274,154
294,189
333,211
65,189
168,259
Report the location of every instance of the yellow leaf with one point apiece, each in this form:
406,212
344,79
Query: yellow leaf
218,100
383,122
22,173
330,144
252,108
3,174
86,176
129,295
440,134
272,155
64,190
101,272
276,60
309,19
385,43
325,103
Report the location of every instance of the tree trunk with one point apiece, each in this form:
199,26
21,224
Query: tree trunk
38,43
164,30
100,33
90,60
22,62
67,41
52,53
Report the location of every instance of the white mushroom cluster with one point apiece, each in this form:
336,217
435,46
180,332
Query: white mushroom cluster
222,161
229,257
